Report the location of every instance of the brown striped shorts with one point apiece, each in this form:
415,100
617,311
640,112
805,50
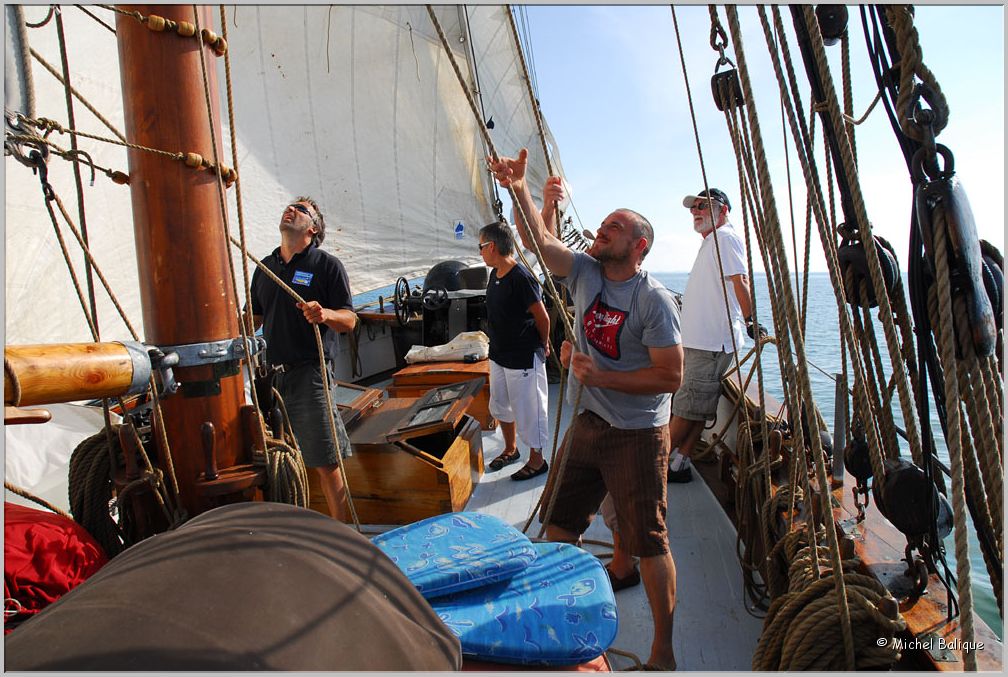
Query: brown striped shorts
629,464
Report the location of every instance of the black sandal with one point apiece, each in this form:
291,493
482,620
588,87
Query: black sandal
527,473
503,460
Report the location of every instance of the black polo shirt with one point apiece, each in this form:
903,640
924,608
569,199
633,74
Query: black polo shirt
316,275
514,338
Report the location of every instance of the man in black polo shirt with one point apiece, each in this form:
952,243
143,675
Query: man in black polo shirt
321,280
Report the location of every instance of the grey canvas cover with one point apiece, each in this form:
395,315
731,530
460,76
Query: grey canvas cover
250,586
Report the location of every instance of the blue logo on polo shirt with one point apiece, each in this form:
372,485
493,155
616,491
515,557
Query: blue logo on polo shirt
302,277
459,231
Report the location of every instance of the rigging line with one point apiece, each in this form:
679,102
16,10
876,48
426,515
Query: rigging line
224,224
71,120
787,172
479,93
95,17
43,22
864,226
327,30
556,471
45,64
834,549
807,159
246,283
710,203
489,142
523,13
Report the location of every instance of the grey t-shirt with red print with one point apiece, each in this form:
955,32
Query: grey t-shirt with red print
616,323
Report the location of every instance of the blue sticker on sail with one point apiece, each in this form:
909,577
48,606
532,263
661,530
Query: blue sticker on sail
303,278
459,230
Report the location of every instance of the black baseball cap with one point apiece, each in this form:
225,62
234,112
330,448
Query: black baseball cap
715,194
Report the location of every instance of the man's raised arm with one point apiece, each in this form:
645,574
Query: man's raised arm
510,172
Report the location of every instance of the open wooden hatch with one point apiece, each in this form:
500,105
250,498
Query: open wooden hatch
412,458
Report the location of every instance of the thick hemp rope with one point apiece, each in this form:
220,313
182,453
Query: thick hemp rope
812,179
794,327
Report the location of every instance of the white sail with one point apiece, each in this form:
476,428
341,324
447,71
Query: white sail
357,106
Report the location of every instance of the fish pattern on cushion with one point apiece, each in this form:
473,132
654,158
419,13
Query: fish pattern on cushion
559,611
450,553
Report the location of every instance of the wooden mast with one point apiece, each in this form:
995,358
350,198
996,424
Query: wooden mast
185,284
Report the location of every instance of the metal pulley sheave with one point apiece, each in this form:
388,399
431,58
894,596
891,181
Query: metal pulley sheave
975,275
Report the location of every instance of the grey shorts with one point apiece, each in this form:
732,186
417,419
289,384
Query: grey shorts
303,391
697,397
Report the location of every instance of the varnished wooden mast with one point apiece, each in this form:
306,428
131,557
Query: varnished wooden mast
184,278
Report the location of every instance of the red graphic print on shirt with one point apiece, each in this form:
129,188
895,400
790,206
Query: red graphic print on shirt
602,325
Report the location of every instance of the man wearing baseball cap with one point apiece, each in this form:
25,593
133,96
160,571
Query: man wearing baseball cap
710,331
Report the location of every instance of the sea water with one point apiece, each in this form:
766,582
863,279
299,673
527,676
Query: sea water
822,347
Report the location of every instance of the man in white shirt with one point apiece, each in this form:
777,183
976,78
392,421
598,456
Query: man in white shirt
710,332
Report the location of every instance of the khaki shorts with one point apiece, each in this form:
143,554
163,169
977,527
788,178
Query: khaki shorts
697,397
630,465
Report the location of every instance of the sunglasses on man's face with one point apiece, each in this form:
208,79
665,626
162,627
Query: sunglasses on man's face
483,244
297,206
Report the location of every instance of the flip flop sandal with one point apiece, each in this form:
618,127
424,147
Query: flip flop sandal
503,460
527,473
628,581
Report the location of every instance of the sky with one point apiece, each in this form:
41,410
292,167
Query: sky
611,87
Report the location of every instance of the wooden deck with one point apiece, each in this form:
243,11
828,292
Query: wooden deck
713,629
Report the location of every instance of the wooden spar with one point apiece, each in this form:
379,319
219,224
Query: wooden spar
185,284
69,372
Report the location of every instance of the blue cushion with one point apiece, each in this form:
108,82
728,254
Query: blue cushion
458,551
559,611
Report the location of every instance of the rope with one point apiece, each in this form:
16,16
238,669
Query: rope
278,454
556,471
85,10
536,113
80,97
158,24
803,380
865,233
90,486
848,91
910,65
954,438
797,623
191,160
24,493
799,128
246,278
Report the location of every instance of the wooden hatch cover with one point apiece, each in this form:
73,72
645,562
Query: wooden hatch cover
437,410
353,400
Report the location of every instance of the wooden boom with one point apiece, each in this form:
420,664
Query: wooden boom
45,374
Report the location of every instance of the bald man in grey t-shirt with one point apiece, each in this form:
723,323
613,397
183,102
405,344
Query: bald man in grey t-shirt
628,360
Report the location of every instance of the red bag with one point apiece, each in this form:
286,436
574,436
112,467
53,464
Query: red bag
45,556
